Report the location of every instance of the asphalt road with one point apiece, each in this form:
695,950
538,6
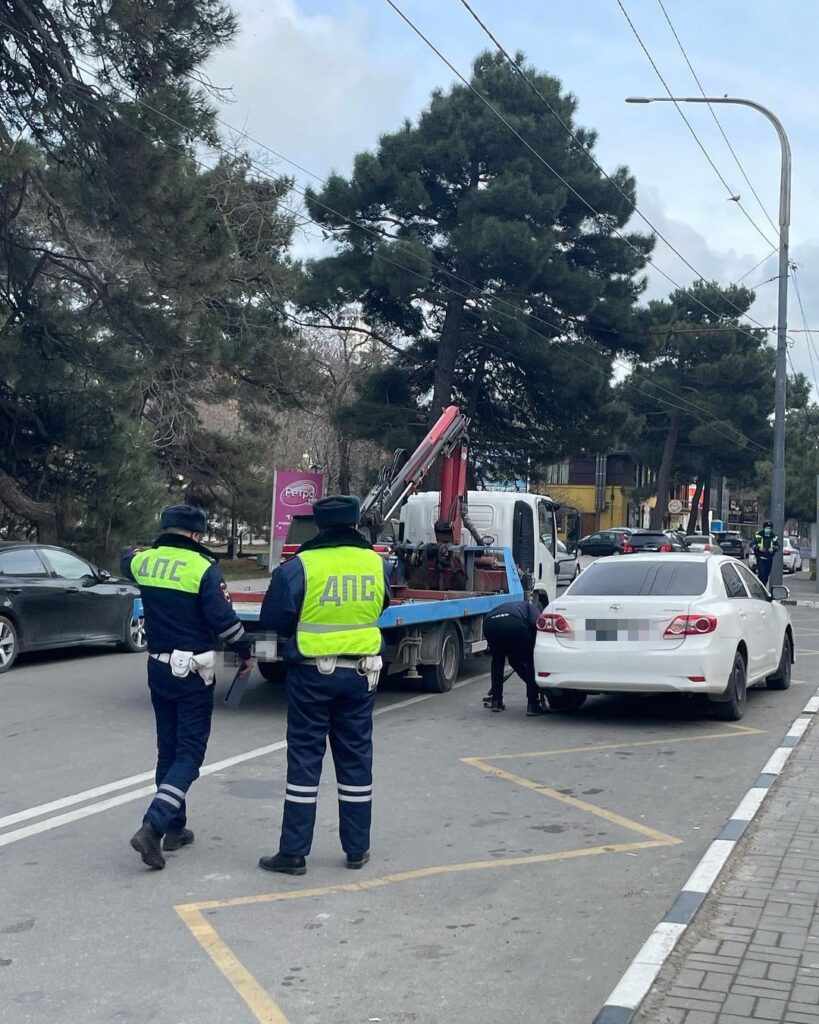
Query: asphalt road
518,864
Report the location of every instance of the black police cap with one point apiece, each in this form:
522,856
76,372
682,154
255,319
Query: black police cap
184,517
337,510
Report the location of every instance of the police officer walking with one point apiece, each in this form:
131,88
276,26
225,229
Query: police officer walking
327,601
511,630
187,613
766,545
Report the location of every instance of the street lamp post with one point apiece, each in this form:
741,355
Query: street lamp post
778,480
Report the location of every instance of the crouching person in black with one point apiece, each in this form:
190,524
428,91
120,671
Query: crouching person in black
510,630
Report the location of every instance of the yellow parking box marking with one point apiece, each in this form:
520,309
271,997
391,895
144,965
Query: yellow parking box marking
259,1002
572,801
263,1008
735,730
190,909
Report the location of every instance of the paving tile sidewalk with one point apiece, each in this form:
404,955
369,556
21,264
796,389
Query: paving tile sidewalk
752,952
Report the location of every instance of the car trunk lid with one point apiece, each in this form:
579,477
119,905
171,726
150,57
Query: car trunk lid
613,624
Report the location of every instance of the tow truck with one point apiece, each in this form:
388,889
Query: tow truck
441,588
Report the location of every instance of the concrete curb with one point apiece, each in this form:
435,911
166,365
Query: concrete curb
633,987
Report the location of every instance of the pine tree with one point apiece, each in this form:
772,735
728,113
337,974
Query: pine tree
500,288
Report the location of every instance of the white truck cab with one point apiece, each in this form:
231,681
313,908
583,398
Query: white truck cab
524,522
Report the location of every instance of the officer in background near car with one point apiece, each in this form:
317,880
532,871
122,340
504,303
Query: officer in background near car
187,613
327,601
766,545
511,630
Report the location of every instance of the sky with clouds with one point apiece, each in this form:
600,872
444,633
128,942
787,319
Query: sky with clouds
320,80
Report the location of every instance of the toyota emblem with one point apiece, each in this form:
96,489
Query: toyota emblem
615,607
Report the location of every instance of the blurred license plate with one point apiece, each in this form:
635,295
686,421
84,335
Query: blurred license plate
617,629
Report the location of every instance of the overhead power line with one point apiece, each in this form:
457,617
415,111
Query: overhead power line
731,192
717,120
756,266
811,346
560,178
690,408
516,66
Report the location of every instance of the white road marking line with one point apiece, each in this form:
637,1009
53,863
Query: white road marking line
136,794
77,798
812,706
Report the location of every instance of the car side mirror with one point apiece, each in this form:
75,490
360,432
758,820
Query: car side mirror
780,593
103,575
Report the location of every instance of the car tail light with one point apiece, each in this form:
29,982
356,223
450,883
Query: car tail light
628,549
690,625
707,548
551,623
666,547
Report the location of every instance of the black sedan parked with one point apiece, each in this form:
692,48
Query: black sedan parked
50,597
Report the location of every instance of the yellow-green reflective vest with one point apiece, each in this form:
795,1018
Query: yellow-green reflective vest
170,569
343,598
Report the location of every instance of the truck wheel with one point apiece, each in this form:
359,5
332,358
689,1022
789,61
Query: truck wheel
438,678
566,700
272,671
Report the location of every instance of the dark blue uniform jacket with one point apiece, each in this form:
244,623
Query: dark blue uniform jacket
175,620
282,602
515,613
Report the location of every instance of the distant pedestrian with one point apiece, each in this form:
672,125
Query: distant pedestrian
327,601
187,614
511,630
766,545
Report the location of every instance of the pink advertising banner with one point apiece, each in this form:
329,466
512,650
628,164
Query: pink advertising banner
294,492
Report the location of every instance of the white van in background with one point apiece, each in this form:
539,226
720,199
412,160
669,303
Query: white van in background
524,522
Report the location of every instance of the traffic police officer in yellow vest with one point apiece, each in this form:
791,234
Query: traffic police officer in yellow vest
187,614
327,601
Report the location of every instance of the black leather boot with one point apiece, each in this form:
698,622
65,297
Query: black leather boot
176,838
148,843
285,864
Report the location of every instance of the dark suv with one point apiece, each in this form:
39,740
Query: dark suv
50,597
656,540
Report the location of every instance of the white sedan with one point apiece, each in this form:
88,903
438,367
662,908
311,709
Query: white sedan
662,624
791,556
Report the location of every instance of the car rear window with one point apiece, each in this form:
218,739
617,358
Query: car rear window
640,540
629,579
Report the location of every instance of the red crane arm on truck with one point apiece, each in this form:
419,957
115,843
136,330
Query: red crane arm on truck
446,440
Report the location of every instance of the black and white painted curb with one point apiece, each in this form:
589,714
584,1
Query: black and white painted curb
633,987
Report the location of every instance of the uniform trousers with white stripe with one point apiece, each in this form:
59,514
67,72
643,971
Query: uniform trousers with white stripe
338,707
183,709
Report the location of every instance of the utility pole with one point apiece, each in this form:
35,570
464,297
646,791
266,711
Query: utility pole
781,380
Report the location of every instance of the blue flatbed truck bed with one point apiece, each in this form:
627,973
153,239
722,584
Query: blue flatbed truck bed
426,633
